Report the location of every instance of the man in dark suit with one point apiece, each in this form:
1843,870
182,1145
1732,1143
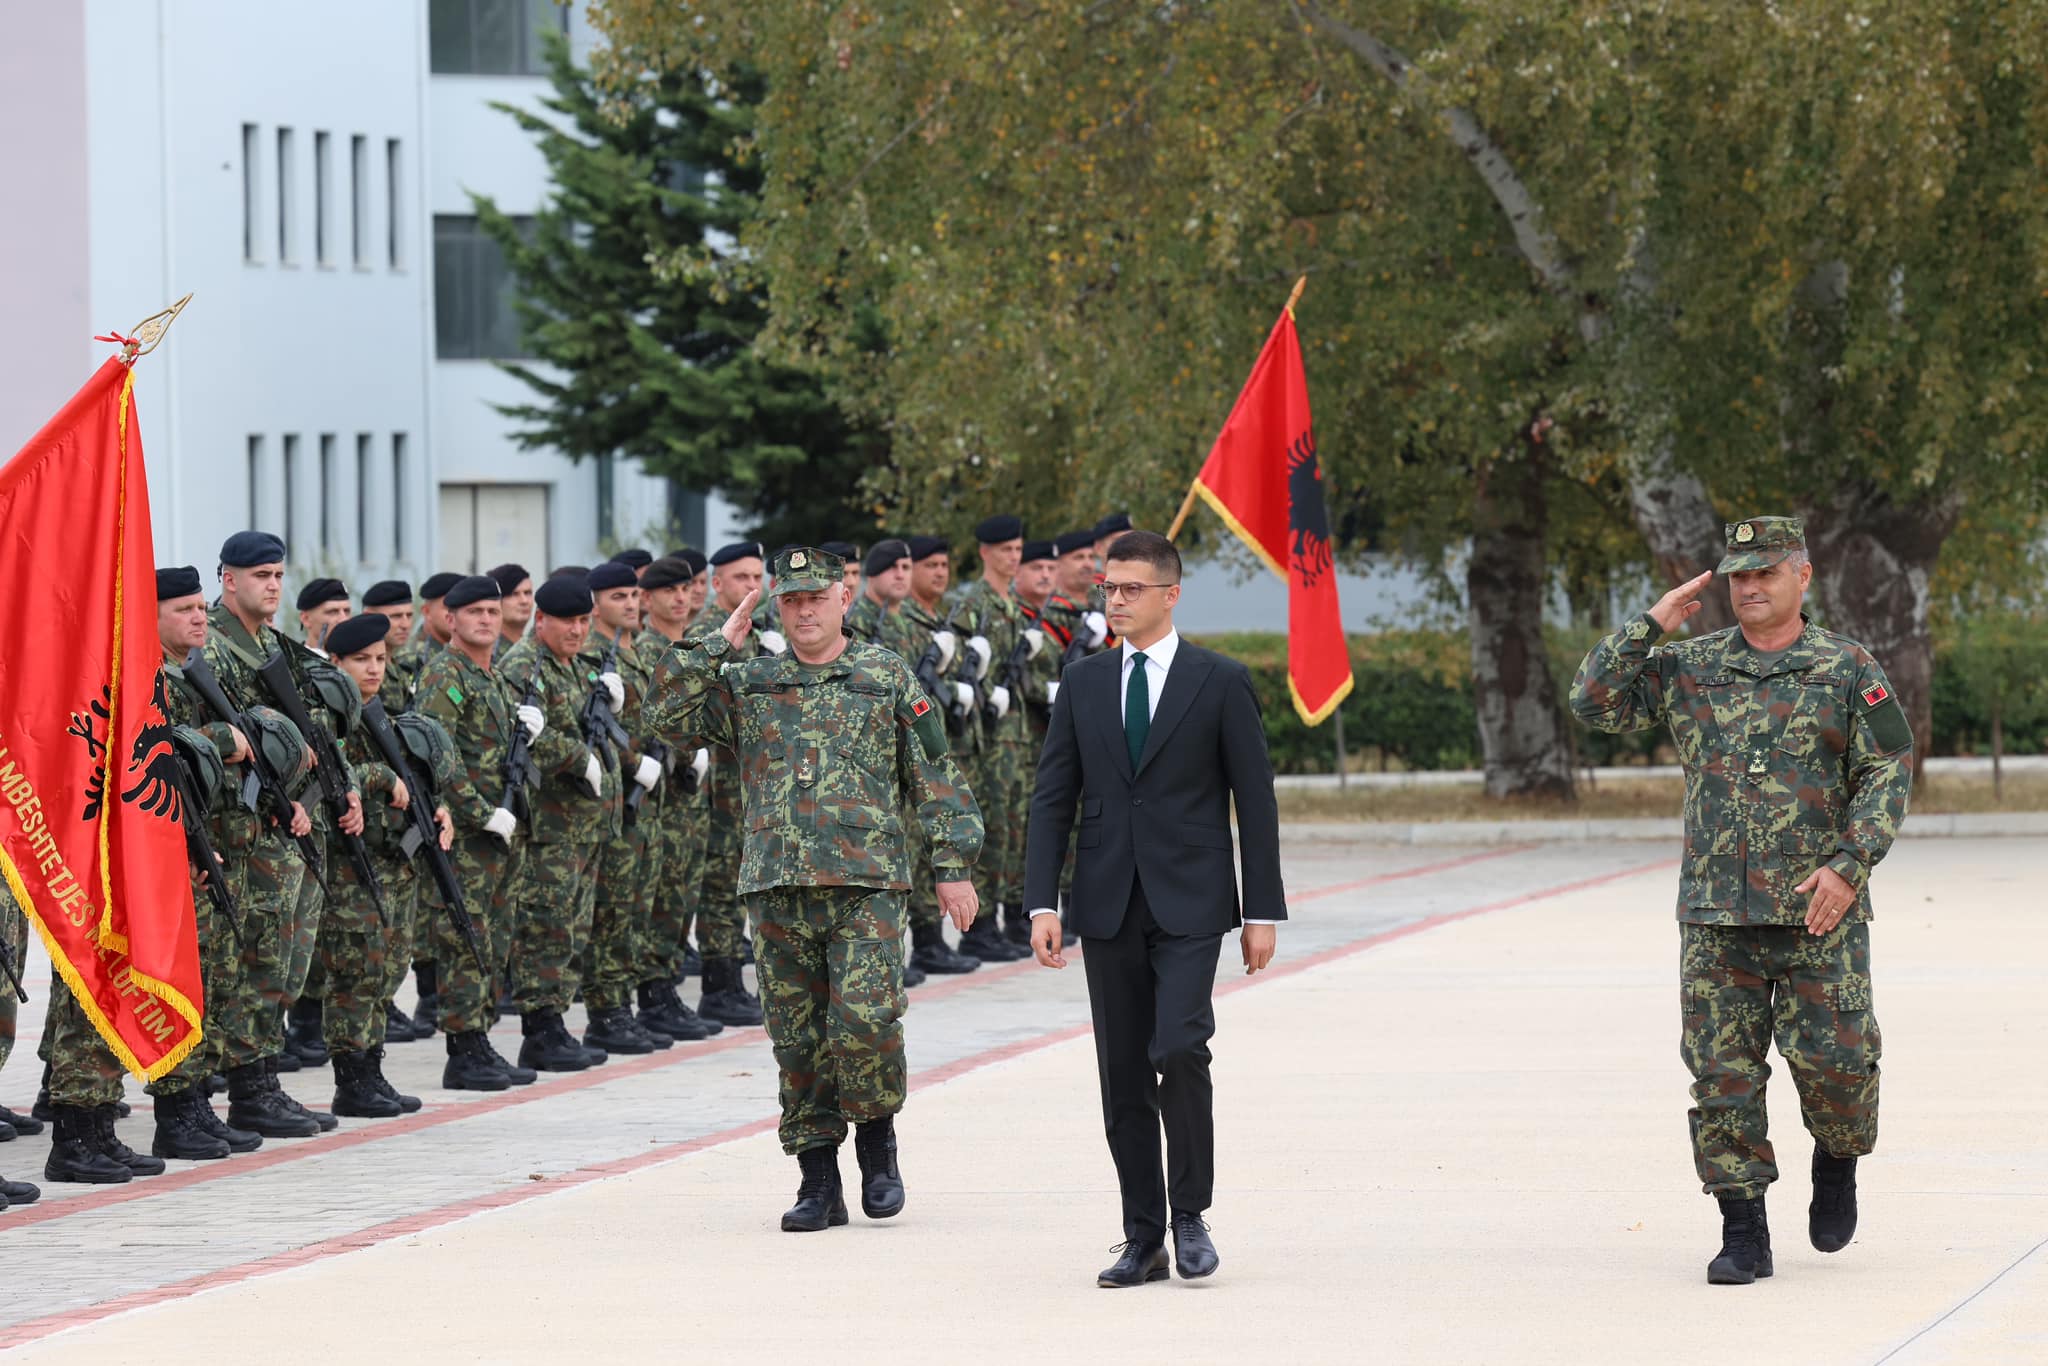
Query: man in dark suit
1153,741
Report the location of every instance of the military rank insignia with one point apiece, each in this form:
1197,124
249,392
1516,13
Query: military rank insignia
1744,534
1874,694
455,694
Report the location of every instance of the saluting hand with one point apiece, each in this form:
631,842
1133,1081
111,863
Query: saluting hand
1831,900
1681,603
741,621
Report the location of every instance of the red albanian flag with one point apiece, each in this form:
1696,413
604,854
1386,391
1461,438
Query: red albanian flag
91,839
1263,480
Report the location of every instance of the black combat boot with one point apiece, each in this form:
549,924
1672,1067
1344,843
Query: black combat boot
397,1025
406,1104
693,963
913,975
726,998
18,1193
881,1185
614,1029
426,1014
326,1122
986,943
1745,1243
302,1032
42,1109
931,953
179,1133
355,1094
238,1140
661,1008
1831,1218
257,1105
820,1197
547,1046
1017,928
21,1124
514,1073
75,1154
470,1067
103,1117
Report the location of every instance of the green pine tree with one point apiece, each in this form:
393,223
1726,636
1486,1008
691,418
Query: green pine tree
636,357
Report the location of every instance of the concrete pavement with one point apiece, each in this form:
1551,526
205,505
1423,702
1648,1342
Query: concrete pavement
1450,1126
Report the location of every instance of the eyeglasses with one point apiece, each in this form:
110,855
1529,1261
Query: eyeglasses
1112,591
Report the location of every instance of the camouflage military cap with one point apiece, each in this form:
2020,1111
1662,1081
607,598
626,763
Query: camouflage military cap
805,569
1761,542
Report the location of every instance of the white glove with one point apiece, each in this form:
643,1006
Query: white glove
593,773
1036,639
502,823
979,646
616,686
532,718
1098,628
700,763
1052,693
999,698
648,773
949,645
773,643
963,696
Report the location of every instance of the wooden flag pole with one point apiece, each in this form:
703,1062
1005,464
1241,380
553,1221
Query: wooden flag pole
1187,504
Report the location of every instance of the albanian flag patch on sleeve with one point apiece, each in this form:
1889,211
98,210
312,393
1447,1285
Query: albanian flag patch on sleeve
1875,693
921,706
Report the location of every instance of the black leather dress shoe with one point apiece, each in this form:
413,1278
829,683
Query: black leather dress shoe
1194,1256
1139,1263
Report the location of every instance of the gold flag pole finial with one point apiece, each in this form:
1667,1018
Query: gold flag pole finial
1292,299
148,333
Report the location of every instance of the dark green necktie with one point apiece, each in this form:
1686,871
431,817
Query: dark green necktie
1137,709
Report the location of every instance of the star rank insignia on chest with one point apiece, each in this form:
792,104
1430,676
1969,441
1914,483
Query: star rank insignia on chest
1874,694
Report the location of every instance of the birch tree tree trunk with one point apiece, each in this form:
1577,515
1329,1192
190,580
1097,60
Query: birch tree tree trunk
1523,733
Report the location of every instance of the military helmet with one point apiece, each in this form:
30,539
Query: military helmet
336,692
425,743
206,777
281,743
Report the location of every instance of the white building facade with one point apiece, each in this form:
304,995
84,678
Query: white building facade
303,171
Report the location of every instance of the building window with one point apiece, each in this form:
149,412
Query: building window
492,37
252,193
359,198
327,498
474,292
286,228
321,174
394,194
291,496
398,478
256,489
363,495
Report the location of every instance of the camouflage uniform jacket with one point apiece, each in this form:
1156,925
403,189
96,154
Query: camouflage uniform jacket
830,756
233,828
1000,621
721,782
235,655
474,708
408,662
1789,764
563,808
383,824
869,624
636,675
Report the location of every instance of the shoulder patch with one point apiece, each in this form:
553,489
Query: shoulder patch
455,694
1874,694
916,713
1890,731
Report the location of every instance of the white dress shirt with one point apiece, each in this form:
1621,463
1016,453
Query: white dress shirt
1158,660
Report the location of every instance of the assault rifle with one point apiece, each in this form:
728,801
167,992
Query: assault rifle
201,851
281,682
423,834
519,770
601,728
12,973
261,784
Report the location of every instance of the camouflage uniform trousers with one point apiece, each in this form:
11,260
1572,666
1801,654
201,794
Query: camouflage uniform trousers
362,958
551,923
301,930
658,951
721,920
217,948
923,896
1742,984
997,774
83,1070
249,1017
831,967
489,871
628,867
14,934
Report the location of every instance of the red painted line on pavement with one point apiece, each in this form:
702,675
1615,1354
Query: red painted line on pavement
31,1330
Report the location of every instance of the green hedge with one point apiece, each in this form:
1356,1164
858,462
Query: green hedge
1411,706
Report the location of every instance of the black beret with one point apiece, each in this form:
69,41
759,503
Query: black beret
246,549
318,591
845,550
667,573
181,582
612,574
509,576
995,530
1112,525
637,558
738,550
563,596
924,547
388,593
472,589
884,556
693,558
570,571
437,585
1074,540
1037,550
357,633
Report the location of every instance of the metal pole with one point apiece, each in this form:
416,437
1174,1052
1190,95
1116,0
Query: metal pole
1337,723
